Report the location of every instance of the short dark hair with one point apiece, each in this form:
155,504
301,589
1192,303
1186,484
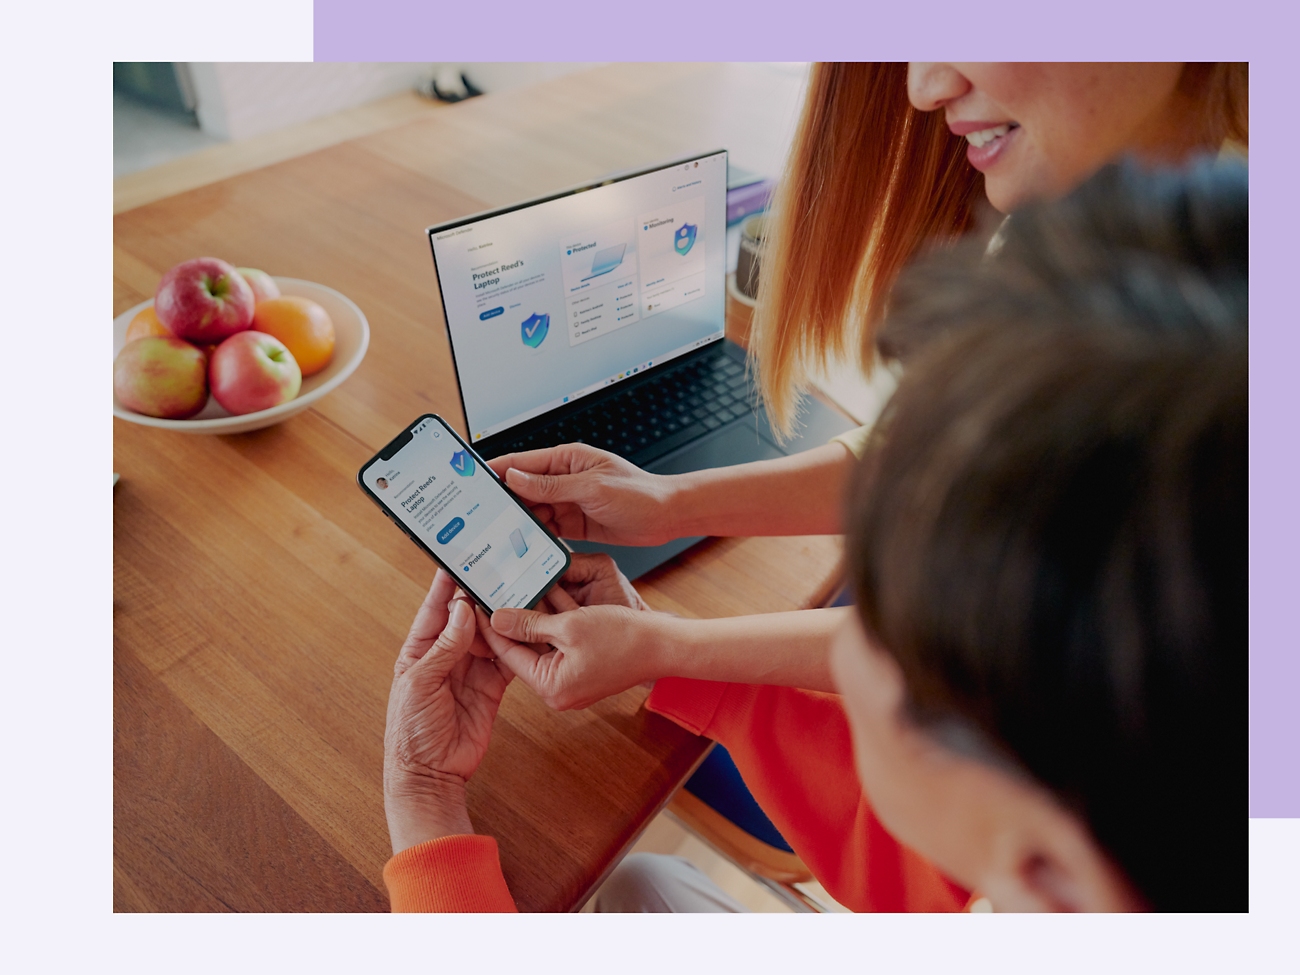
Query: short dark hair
1049,532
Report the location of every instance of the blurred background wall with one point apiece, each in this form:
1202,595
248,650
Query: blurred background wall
237,101
162,110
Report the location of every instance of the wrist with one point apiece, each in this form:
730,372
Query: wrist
678,507
671,646
423,805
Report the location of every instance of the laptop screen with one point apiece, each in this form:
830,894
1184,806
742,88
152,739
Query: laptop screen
556,299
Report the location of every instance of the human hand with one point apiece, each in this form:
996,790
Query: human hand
440,712
583,493
594,580
593,652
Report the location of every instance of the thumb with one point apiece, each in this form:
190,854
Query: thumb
453,642
543,488
526,625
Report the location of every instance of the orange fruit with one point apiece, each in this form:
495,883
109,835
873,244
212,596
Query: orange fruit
145,323
302,325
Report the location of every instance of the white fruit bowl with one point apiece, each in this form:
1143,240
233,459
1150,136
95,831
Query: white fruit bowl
351,338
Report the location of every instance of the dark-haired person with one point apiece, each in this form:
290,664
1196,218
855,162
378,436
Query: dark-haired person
1046,675
1048,549
888,160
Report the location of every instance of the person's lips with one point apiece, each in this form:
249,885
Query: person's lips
987,140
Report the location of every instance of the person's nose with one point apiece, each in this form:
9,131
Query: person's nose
932,85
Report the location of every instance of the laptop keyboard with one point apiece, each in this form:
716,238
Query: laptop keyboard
650,419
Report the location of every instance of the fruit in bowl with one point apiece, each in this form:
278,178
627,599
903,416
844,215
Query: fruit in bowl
204,300
263,285
253,371
303,326
321,332
145,323
162,376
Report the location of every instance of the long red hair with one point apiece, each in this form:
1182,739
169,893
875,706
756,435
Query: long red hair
869,181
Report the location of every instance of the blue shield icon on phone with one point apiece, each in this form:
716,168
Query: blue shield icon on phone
534,329
462,463
684,238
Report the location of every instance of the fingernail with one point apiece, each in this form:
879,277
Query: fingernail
459,614
503,619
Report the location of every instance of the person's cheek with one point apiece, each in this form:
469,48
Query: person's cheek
1025,175
890,756
863,698
1028,170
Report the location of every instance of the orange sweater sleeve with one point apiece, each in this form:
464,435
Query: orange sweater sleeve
451,874
795,754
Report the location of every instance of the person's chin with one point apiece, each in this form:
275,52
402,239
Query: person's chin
1008,191
1019,178
1011,179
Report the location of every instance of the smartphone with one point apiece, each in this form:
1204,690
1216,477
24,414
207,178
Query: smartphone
435,488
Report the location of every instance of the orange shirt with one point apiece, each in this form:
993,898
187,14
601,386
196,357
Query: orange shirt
794,752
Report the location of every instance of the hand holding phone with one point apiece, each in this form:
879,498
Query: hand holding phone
445,497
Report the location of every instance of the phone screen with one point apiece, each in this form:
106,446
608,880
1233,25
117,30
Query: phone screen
454,507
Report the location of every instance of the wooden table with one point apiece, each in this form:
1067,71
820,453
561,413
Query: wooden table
260,599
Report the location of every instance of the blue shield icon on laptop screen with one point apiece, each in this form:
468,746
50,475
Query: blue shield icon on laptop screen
534,329
462,463
684,238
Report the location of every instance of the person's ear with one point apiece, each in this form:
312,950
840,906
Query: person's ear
1045,859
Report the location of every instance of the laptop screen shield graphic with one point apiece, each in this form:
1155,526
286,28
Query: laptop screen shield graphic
534,328
684,239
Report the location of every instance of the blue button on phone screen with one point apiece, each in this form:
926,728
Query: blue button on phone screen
450,529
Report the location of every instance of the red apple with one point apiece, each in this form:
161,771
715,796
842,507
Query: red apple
263,284
253,371
204,300
161,376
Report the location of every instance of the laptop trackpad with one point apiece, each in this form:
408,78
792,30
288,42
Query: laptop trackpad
739,443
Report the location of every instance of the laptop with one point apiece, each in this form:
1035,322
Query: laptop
596,315
606,260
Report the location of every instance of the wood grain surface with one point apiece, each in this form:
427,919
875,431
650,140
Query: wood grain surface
260,598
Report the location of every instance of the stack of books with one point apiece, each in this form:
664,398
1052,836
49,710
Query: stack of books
747,193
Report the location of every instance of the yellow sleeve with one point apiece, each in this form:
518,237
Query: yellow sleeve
855,440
